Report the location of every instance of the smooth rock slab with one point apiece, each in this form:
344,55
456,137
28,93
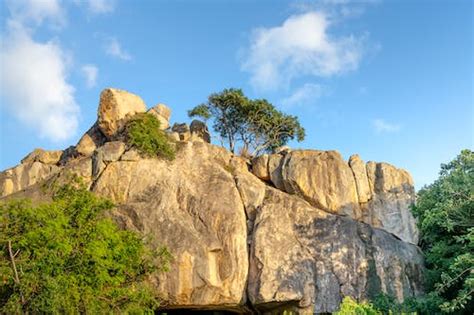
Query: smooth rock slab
192,206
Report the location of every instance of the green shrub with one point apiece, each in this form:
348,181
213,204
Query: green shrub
351,307
70,258
389,305
143,132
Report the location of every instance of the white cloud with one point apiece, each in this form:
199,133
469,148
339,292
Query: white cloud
301,46
90,73
33,75
27,12
97,6
307,93
101,6
114,49
381,126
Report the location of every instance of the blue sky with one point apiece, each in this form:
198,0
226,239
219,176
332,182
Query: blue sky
389,80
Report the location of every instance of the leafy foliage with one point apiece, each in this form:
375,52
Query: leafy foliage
257,124
351,307
388,305
445,213
143,132
70,258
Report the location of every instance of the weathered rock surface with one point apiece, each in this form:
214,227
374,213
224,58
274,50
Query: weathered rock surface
115,107
310,258
362,181
199,130
24,175
163,114
184,134
293,240
260,167
192,206
90,141
376,193
393,195
43,156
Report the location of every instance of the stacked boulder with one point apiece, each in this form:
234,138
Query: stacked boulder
197,131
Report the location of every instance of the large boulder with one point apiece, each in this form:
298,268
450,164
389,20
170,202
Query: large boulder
322,178
43,156
90,141
199,130
182,131
115,108
163,114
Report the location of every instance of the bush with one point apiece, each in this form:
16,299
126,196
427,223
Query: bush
143,132
68,257
351,307
388,305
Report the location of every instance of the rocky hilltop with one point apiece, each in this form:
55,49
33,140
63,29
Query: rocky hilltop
295,230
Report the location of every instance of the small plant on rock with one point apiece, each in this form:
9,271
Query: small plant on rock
143,132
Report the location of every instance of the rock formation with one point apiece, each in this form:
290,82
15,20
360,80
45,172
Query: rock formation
377,193
295,230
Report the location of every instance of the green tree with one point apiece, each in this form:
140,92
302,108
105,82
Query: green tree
68,257
257,124
445,213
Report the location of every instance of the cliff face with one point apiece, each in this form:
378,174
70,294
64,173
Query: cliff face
293,230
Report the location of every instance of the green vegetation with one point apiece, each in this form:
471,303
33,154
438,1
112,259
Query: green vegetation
445,213
351,307
256,124
143,132
387,304
68,257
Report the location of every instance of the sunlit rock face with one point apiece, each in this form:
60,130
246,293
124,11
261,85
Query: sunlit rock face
375,193
297,230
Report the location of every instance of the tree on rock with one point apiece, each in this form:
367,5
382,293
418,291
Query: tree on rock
255,124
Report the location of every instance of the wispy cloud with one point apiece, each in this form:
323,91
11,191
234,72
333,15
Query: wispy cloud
101,6
382,126
302,45
34,73
34,12
306,94
97,6
90,73
114,48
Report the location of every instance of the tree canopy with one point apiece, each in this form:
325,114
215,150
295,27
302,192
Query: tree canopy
256,124
445,213
68,257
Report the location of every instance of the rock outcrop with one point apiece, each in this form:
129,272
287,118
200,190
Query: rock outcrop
115,107
297,230
163,114
374,193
